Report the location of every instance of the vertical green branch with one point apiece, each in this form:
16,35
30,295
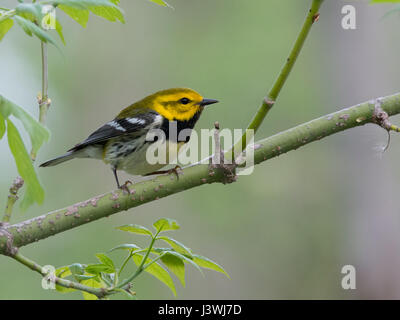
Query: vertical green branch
44,103
273,94
43,99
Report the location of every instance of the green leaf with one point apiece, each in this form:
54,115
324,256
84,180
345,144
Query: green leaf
78,272
209,264
126,293
383,1
161,3
30,28
5,26
34,191
30,11
97,268
175,265
186,259
135,228
76,269
79,15
79,10
104,259
63,272
37,132
79,4
160,250
109,13
38,135
81,277
177,246
125,246
2,126
91,283
157,271
165,224
59,31
109,278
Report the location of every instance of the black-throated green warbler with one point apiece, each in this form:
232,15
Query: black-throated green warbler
122,141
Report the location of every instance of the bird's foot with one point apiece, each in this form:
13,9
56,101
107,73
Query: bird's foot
124,187
177,171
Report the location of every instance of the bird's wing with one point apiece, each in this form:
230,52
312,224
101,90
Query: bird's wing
137,124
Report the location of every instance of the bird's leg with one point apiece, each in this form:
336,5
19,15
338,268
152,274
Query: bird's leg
173,170
124,187
114,170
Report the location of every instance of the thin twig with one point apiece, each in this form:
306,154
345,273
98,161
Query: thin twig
12,198
270,99
98,292
43,98
141,267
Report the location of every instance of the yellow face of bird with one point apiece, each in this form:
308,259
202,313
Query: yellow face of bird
176,104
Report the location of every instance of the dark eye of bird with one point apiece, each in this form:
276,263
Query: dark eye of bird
184,100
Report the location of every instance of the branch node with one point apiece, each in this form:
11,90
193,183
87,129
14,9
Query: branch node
217,161
269,102
17,184
315,17
12,197
103,293
381,118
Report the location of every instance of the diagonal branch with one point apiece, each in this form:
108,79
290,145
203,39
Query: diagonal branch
98,292
29,231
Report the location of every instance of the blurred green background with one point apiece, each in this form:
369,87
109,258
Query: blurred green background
283,232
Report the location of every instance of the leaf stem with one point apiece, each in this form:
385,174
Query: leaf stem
140,267
269,101
152,261
125,262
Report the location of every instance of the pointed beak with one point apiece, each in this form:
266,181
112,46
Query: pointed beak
206,102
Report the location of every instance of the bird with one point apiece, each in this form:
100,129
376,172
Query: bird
121,142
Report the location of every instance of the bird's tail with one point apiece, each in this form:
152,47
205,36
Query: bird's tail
53,162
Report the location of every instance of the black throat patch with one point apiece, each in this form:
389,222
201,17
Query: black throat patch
169,128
